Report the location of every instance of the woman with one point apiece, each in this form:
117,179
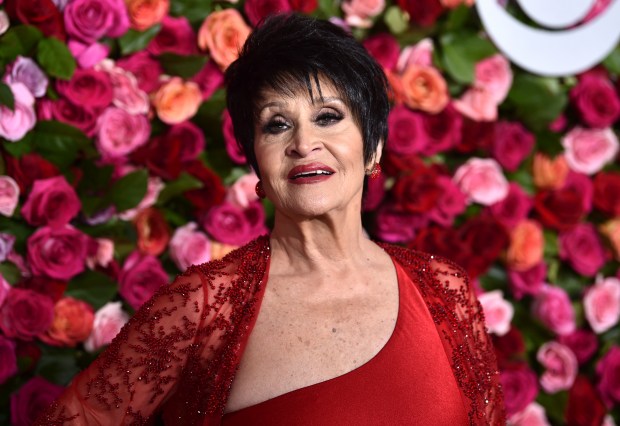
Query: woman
315,324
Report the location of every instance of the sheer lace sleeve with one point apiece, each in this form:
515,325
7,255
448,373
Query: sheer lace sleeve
128,383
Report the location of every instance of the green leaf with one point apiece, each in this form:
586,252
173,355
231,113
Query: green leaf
194,10
93,287
184,66
185,182
58,142
55,58
555,405
537,100
128,191
21,147
461,51
457,18
396,20
6,96
329,8
58,365
19,40
134,41
10,272
612,61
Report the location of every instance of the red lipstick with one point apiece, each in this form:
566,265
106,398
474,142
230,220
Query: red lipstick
310,173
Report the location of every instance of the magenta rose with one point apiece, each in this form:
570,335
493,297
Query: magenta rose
553,308
91,20
512,209
6,247
530,281
209,79
175,36
119,132
109,320
596,101
26,71
57,252
384,48
560,364
8,359
450,203
230,224
608,372
188,246
588,150
26,314
520,387
256,10
31,399
76,115
601,304
145,68
5,288
581,185
51,202
582,248
396,226
482,181
89,88
512,144
141,276
15,123
233,149
405,131
87,56
583,343
440,132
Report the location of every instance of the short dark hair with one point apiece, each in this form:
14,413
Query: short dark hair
289,51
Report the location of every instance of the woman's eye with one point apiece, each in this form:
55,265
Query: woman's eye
275,126
327,118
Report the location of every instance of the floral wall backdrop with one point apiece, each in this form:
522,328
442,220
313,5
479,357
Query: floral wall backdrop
118,169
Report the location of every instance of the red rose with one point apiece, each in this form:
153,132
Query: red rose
596,100
28,168
76,115
88,88
483,238
31,399
584,407
212,192
8,359
153,231
508,346
141,276
26,314
46,286
511,145
440,241
57,252
176,36
422,12
384,48
476,135
440,132
608,372
418,191
304,6
256,10
42,14
51,202
607,193
559,209
512,209
520,386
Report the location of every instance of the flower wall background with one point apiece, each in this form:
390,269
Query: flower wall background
119,169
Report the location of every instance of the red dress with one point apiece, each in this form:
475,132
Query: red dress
401,385
177,357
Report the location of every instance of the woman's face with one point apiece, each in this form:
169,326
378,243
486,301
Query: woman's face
309,152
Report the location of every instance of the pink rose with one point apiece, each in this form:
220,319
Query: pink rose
608,372
256,10
511,145
384,48
601,304
5,287
26,71
553,308
358,13
109,320
14,124
582,248
233,149
405,134
494,75
145,69
9,195
91,20
31,399
396,226
596,100
120,132
189,246
419,54
51,202
583,343
103,255
76,115
530,281
127,94
230,224
532,415
175,36
87,56
6,247
153,188
209,79
498,312
141,276
477,104
514,208
520,387
57,252
450,203
560,364
5,23
482,181
588,150
89,88
8,359
26,314
243,191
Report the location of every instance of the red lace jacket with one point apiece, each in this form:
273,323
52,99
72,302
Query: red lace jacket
177,357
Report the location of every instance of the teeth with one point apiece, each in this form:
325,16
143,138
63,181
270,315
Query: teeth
313,173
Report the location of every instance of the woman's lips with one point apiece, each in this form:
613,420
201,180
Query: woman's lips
310,173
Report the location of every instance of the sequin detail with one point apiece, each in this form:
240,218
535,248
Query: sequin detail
177,357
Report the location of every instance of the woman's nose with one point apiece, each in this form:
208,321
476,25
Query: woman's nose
303,142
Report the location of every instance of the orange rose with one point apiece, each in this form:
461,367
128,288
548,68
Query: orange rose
144,14
177,100
223,34
611,230
219,250
73,322
526,246
549,173
424,88
153,231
